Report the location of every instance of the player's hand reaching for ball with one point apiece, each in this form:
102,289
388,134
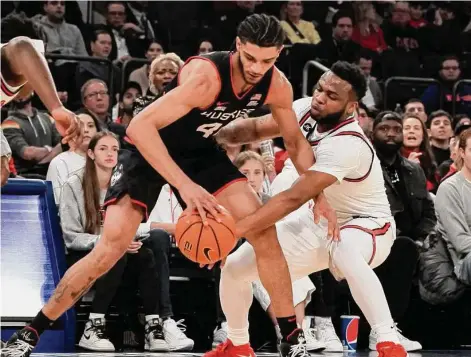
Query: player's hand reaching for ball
69,126
322,208
197,198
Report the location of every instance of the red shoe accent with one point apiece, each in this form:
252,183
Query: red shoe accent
390,349
227,349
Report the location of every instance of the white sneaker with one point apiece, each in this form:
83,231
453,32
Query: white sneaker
220,334
409,345
175,337
312,343
94,336
325,332
154,337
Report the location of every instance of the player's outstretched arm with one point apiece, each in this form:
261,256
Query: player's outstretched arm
308,186
199,86
27,64
280,101
248,130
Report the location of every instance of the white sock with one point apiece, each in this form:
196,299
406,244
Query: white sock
238,336
96,316
350,258
235,290
151,317
307,322
279,336
386,331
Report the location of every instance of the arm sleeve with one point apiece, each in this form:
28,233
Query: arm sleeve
14,136
72,222
449,206
340,157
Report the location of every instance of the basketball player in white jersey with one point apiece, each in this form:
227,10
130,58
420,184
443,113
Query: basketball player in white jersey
349,173
24,70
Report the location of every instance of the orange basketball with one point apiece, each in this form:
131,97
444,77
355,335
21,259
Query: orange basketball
205,244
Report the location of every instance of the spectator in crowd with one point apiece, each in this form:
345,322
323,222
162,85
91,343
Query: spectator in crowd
128,39
416,107
461,119
298,30
131,92
61,38
373,98
365,120
33,138
440,131
406,184
69,162
454,163
416,148
96,101
100,47
367,32
205,46
82,215
416,15
340,46
436,97
159,230
141,75
398,33
453,210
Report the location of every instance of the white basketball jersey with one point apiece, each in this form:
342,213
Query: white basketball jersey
347,154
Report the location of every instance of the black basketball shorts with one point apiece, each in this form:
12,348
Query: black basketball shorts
211,169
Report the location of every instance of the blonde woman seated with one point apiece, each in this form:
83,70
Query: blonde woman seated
298,30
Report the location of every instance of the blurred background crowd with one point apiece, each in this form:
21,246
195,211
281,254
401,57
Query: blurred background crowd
109,57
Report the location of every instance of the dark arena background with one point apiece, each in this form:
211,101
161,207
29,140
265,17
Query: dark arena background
104,56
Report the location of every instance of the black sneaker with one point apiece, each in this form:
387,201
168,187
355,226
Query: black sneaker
21,344
295,346
154,337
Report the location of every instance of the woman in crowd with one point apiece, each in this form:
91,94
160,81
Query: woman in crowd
141,75
416,148
81,216
367,32
205,46
298,30
69,162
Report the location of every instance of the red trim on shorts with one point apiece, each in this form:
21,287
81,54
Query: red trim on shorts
217,71
362,137
232,83
373,232
228,184
136,202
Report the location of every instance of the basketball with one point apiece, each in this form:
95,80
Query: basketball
205,244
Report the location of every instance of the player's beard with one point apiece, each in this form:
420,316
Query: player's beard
387,149
329,120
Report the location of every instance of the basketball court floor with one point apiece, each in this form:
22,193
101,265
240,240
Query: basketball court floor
325,354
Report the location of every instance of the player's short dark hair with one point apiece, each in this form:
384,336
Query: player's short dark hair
352,74
261,30
387,115
18,24
340,15
436,114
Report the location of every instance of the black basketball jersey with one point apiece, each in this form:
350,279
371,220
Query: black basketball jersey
196,130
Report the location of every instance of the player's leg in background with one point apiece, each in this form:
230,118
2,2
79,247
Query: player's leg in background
351,256
240,199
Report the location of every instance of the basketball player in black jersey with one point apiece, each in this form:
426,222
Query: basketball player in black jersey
174,143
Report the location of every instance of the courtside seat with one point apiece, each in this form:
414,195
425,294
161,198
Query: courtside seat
32,261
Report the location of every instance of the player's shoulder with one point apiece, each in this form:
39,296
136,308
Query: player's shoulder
281,92
302,106
199,66
201,74
279,80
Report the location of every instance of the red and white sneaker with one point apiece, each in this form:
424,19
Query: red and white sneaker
227,349
391,349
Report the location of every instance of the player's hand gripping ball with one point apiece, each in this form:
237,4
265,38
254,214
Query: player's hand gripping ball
205,244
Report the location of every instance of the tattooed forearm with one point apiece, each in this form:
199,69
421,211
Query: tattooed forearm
248,130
